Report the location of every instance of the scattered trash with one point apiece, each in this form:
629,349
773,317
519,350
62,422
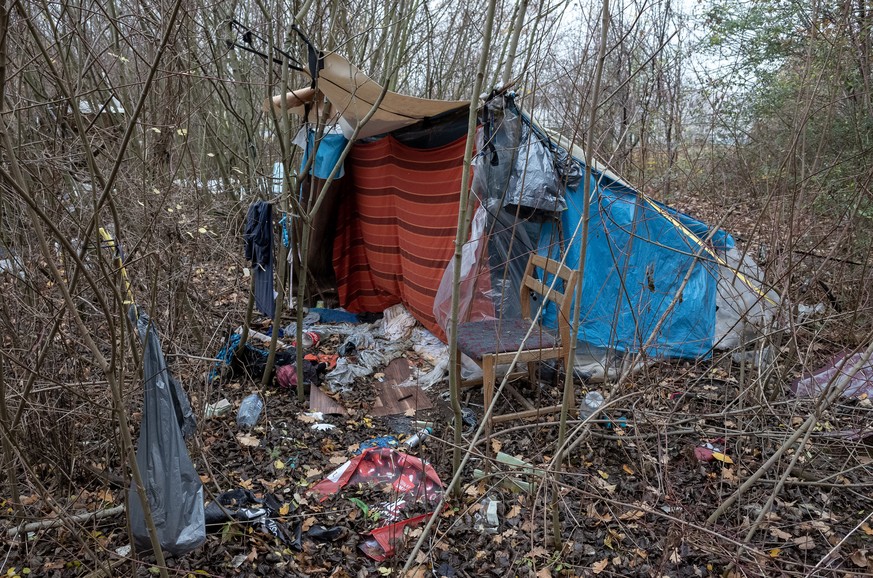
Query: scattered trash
329,360
514,482
418,438
428,346
323,426
241,505
619,422
836,370
406,480
123,551
469,419
224,357
707,452
379,442
250,411
436,375
592,402
309,320
397,323
325,534
263,337
487,519
286,375
217,409
357,341
760,357
345,373
809,312
310,339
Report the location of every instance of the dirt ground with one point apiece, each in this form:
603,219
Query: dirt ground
635,497
633,500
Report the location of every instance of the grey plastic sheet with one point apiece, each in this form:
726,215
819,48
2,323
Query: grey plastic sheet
172,486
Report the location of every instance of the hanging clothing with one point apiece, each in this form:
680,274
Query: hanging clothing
258,238
330,149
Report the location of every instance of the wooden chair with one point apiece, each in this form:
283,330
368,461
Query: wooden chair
494,342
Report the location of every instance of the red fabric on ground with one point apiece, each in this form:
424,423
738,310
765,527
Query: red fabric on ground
396,226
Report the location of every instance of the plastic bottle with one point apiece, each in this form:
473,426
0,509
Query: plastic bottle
592,402
249,411
418,438
310,339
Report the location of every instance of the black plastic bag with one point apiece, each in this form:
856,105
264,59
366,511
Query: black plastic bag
172,486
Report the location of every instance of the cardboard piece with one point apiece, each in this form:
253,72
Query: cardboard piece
393,399
320,401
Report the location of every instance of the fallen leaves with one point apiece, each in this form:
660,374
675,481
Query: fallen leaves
782,535
248,440
859,558
804,542
632,515
600,566
603,484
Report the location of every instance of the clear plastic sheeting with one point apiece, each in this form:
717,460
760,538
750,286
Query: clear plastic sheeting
510,243
497,143
744,307
853,373
597,364
518,164
172,486
476,297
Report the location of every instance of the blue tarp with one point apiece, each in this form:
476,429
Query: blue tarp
636,261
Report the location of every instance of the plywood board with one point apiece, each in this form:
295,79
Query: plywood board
320,401
394,399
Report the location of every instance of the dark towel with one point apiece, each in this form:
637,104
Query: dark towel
258,238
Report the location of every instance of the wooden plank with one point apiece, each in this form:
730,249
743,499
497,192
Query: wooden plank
320,401
394,399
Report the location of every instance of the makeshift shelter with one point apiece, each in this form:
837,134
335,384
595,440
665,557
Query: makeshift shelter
655,279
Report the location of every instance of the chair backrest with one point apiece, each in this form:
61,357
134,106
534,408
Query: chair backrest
561,294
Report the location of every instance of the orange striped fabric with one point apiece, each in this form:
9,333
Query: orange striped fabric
396,226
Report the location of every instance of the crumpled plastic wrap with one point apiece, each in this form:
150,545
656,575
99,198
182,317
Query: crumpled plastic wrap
475,290
534,182
396,323
345,373
517,164
357,341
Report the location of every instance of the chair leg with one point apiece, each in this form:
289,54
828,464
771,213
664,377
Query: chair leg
488,386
